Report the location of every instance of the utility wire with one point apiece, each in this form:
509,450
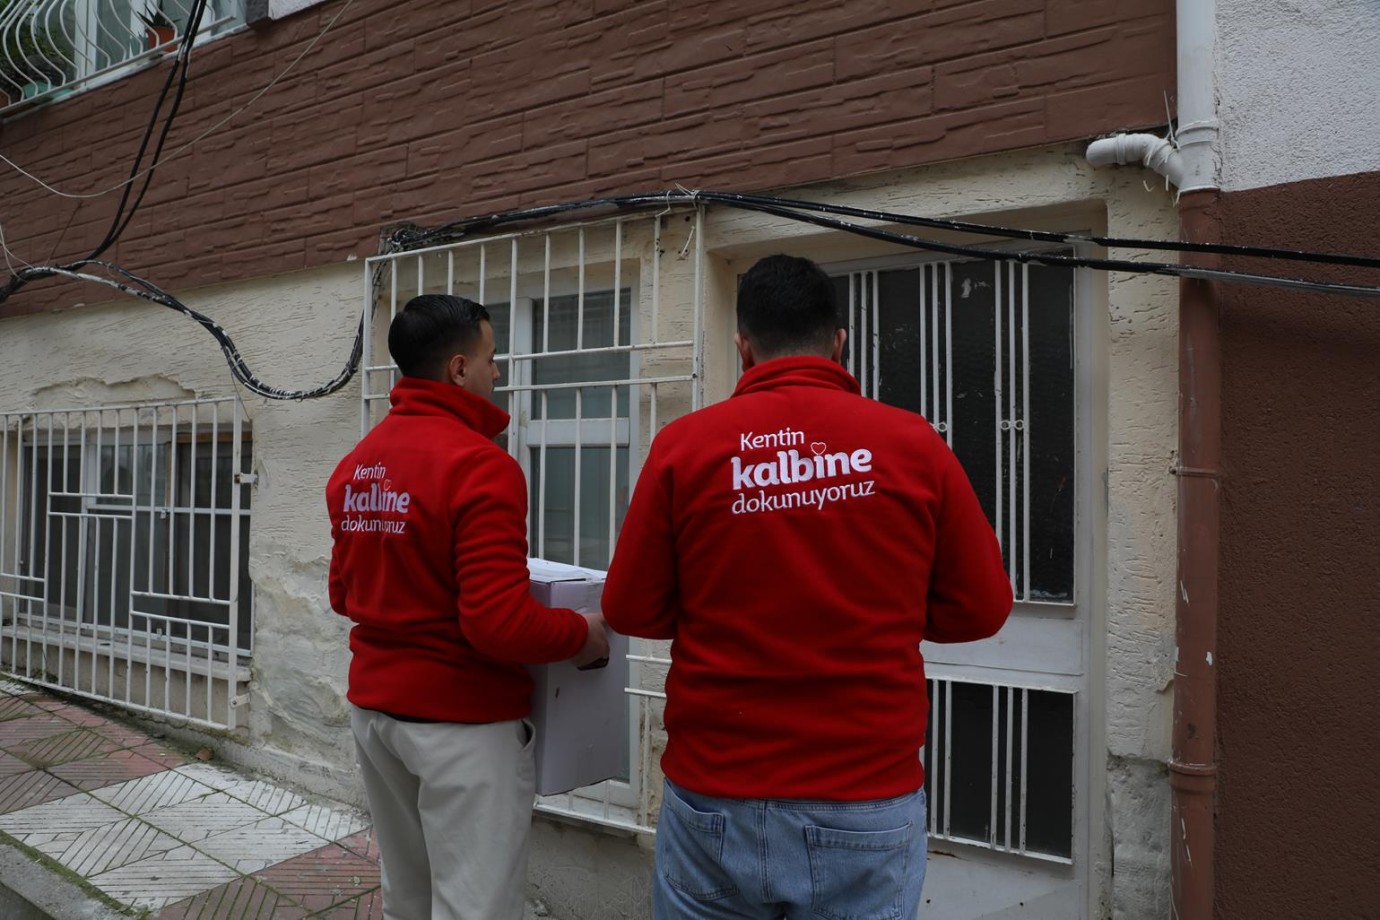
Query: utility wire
808,212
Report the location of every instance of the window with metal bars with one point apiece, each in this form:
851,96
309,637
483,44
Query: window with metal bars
999,767
125,547
48,47
984,350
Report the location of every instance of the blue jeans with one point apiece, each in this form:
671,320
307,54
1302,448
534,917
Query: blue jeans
764,859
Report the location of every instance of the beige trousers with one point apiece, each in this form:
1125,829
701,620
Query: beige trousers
452,807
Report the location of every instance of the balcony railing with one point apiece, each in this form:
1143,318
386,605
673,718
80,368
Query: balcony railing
49,48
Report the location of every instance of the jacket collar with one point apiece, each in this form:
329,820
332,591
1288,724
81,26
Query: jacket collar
417,396
796,371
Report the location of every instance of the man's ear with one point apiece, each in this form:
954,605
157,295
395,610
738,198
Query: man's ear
744,350
456,369
840,336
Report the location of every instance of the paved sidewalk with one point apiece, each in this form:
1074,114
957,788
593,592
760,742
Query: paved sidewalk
156,830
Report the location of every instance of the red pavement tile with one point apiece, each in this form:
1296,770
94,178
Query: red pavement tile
122,735
24,790
59,749
368,906
321,878
10,765
159,754
364,843
106,770
242,899
34,728
12,707
78,715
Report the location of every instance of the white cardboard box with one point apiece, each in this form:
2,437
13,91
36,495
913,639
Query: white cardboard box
581,716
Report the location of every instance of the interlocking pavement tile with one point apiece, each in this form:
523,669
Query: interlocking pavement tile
34,728
13,707
59,749
242,899
204,817
70,815
15,688
266,797
100,849
217,777
25,790
10,765
122,735
330,823
322,878
252,847
78,715
152,793
106,770
368,906
163,879
365,843
161,753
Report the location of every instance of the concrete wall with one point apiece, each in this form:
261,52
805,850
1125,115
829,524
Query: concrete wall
1298,89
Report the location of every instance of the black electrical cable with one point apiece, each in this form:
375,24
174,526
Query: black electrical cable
135,286
808,212
181,69
121,219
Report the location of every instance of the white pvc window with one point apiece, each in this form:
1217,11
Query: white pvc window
591,366
124,537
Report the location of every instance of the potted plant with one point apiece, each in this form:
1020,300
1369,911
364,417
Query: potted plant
31,59
159,30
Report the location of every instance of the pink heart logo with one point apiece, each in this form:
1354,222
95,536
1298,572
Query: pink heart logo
818,447
387,485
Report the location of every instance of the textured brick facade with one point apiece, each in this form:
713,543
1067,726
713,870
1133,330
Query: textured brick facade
430,110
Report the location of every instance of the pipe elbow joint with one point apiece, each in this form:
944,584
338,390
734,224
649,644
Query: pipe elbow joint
1156,153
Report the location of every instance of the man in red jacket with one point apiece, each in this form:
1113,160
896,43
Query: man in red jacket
429,522
797,542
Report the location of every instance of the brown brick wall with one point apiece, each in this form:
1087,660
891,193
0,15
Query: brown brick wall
431,110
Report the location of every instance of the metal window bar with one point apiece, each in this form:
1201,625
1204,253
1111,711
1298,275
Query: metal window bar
50,48
106,589
573,394
1003,807
1011,374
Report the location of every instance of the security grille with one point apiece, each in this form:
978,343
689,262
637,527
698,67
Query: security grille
592,365
51,47
124,537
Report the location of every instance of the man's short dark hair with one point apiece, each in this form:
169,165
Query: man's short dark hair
430,329
787,306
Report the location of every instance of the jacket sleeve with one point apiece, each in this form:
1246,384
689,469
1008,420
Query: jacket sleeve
970,593
498,614
335,577
641,595
335,581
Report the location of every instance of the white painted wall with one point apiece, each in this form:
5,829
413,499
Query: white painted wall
295,331
1298,89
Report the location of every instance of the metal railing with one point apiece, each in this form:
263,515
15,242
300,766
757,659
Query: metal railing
49,48
592,365
123,555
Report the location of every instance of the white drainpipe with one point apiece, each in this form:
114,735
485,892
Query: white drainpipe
1190,160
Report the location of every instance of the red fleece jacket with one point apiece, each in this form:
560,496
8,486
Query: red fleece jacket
429,519
797,541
